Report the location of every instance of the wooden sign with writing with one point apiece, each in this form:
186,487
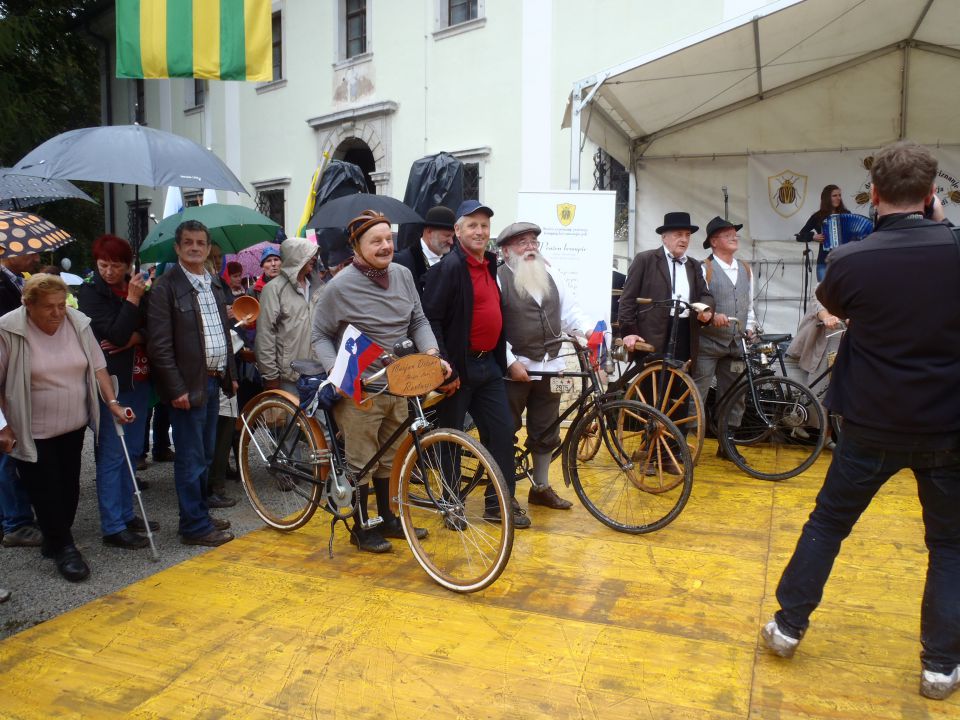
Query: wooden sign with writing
414,375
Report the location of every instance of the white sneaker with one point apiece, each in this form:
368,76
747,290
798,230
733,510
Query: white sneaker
777,642
939,686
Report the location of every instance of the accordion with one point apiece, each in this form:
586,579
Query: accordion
842,228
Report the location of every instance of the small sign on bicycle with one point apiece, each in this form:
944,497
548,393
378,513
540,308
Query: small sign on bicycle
559,385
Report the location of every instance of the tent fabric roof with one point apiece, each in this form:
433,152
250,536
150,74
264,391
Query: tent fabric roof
785,45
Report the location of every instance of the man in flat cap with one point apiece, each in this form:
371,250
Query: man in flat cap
436,241
461,298
660,274
537,308
731,284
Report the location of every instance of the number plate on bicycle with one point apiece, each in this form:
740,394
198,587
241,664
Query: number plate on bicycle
560,385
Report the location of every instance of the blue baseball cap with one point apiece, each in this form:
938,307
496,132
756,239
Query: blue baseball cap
469,207
267,253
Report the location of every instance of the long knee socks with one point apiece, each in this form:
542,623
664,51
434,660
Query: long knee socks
381,487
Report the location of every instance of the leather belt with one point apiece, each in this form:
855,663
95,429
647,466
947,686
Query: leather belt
478,354
214,374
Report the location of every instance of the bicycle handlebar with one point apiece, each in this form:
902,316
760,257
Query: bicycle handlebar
674,302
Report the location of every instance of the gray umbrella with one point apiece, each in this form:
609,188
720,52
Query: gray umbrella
130,154
23,191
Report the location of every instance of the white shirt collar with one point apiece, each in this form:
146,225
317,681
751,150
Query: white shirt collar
431,257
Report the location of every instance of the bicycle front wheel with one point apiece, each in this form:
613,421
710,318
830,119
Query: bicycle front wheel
278,453
679,400
640,479
777,436
455,490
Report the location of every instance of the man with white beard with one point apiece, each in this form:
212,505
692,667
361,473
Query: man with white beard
537,308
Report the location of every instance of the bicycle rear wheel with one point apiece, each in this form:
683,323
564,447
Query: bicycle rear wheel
780,435
680,401
640,479
277,485
446,488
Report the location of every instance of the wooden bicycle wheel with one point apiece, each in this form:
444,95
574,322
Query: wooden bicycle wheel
679,401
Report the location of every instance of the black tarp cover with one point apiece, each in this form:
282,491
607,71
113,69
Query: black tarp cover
434,180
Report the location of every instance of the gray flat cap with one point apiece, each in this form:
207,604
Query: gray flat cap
514,229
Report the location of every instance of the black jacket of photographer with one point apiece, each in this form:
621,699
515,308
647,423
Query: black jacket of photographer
896,379
115,320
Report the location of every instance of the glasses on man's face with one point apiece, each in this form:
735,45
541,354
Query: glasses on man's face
526,243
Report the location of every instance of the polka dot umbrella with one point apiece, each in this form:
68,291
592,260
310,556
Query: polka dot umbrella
23,233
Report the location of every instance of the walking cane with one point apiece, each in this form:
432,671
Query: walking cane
133,476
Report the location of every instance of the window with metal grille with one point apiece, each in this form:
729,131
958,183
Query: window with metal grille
192,198
609,174
139,103
459,11
471,181
138,222
271,203
356,27
277,29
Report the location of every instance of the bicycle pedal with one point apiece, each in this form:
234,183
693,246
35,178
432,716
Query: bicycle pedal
371,522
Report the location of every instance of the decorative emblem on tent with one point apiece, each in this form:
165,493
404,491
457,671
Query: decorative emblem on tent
787,191
565,213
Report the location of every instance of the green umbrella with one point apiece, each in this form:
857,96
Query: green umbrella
232,227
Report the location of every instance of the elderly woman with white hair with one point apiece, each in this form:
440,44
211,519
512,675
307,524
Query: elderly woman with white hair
51,367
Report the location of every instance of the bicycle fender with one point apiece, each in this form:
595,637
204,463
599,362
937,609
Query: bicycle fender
405,445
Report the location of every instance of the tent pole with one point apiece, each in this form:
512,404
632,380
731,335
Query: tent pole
632,210
904,89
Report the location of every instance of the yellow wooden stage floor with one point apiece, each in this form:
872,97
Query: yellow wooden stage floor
585,622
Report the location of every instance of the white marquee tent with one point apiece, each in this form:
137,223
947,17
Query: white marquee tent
819,80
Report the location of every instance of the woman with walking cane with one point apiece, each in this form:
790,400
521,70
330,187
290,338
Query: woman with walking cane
51,367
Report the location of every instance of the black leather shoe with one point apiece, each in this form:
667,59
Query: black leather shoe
520,519
71,564
137,525
393,529
213,538
165,455
126,539
220,501
143,484
369,541
220,523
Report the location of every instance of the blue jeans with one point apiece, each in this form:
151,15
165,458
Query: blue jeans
15,509
194,436
484,396
857,472
114,485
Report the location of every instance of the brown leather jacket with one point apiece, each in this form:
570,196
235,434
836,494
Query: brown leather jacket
176,346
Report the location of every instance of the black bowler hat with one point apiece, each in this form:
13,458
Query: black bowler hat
439,217
677,221
716,225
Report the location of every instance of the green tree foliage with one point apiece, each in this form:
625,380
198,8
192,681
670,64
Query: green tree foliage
50,83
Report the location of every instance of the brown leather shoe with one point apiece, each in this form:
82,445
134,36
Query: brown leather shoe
211,539
548,498
220,523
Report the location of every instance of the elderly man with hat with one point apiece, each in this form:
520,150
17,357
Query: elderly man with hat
660,274
537,308
462,300
731,284
379,298
436,242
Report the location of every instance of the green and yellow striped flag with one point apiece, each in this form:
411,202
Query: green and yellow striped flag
212,39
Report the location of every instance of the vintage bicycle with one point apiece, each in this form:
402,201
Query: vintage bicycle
768,425
629,465
292,462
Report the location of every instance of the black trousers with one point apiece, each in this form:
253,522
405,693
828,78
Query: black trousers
53,485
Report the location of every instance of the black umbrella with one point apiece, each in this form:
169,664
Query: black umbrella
24,233
129,154
339,212
21,191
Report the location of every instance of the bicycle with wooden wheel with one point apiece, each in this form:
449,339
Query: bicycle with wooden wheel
629,465
292,462
663,381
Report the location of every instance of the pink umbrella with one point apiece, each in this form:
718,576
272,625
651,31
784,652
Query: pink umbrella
249,258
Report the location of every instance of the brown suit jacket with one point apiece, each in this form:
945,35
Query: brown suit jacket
649,277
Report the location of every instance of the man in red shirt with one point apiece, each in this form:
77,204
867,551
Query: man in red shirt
461,299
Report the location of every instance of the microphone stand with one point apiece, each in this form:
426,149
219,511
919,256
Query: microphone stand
807,269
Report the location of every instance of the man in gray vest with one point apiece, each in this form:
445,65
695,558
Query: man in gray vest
731,284
537,308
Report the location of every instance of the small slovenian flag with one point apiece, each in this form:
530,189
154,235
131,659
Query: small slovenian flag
595,341
356,353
